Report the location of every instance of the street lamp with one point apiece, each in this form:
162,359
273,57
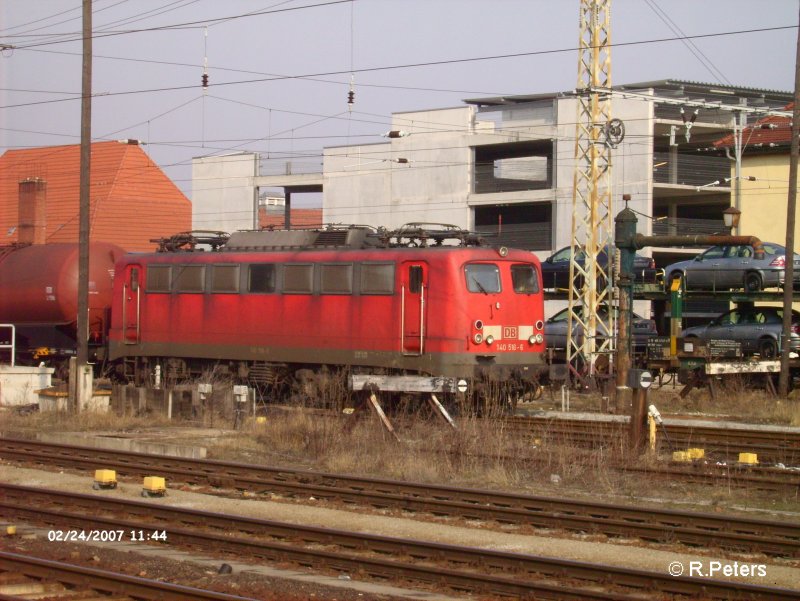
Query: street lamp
731,217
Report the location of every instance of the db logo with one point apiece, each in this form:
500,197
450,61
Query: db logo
509,331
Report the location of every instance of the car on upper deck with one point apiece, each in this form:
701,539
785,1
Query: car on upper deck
726,267
555,268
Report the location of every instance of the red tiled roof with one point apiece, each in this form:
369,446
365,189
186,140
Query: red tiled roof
770,131
299,218
131,200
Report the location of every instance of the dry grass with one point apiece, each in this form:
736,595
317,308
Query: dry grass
480,453
734,400
61,421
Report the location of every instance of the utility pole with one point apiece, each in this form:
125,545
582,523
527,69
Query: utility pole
791,204
83,223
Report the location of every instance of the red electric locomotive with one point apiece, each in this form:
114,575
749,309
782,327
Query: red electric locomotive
296,309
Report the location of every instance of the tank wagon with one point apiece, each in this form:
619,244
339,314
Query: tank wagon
295,312
39,292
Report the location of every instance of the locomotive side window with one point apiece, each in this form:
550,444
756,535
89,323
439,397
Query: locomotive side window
524,279
189,278
261,278
482,277
377,278
336,279
158,278
414,278
224,278
298,279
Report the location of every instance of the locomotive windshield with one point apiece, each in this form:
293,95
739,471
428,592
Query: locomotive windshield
482,277
524,279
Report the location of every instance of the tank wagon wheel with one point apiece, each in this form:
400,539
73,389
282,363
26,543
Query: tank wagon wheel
752,282
768,348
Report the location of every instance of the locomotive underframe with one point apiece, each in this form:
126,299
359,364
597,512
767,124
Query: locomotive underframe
327,384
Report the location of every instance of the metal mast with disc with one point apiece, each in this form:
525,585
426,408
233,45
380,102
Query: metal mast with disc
592,216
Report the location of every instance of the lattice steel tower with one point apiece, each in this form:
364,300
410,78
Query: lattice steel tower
592,215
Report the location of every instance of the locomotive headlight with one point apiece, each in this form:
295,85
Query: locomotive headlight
531,339
478,338
540,325
478,324
539,339
490,339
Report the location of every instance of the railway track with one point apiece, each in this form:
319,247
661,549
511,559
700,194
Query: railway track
773,446
23,577
775,538
364,555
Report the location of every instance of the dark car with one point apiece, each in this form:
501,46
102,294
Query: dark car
758,329
734,266
555,268
555,330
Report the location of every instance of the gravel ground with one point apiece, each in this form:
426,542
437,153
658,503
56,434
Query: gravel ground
187,573
620,553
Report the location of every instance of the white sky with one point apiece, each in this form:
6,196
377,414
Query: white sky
293,119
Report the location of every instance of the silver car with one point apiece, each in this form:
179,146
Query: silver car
758,329
555,330
735,266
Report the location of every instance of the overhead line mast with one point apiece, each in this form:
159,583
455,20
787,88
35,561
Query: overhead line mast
592,214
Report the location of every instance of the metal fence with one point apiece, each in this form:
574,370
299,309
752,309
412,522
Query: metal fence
527,236
689,170
672,226
280,167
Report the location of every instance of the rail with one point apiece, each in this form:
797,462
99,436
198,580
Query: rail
725,531
103,581
456,567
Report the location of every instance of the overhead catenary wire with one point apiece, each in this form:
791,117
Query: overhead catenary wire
693,48
197,24
415,65
272,137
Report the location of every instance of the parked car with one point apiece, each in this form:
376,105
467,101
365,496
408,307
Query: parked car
555,330
758,329
734,266
555,268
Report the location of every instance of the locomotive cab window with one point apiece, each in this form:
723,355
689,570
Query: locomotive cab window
483,278
224,278
377,278
524,279
336,278
189,278
158,278
298,279
415,279
261,278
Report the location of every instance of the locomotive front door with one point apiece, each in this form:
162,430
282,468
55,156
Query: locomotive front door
131,303
414,292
